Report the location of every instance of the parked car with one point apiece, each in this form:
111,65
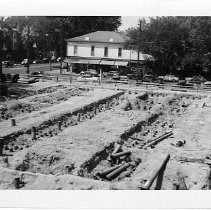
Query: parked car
114,75
59,59
45,60
82,72
88,77
26,61
195,79
170,78
36,61
7,63
160,79
182,82
134,76
53,59
37,74
92,72
207,83
149,78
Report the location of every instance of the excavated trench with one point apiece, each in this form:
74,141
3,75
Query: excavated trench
42,98
134,140
162,110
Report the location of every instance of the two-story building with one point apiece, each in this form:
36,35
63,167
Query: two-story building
102,49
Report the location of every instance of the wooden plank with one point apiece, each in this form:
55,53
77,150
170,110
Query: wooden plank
194,160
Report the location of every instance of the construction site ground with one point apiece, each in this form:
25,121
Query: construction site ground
64,136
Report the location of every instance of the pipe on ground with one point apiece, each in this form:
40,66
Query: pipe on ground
149,183
108,171
118,171
120,154
160,138
117,149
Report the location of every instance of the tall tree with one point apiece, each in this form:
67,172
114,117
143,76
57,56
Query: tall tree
51,31
176,42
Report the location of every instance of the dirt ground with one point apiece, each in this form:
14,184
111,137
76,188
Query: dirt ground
94,121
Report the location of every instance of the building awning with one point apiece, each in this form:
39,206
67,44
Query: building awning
71,60
110,63
94,62
120,63
83,61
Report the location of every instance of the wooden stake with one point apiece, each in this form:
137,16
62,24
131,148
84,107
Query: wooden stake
13,122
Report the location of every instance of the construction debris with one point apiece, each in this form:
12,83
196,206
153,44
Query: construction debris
194,160
107,171
179,143
107,144
160,138
149,182
120,154
118,171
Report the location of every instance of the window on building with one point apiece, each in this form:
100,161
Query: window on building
106,52
75,50
120,52
92,51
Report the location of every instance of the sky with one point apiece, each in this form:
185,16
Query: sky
128,22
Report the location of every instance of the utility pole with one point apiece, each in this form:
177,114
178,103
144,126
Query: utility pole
1,44
27,64
61,50
139,46
49,51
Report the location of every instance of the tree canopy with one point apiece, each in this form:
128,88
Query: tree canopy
178,43
51,31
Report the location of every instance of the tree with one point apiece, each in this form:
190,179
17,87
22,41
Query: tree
58,29
64,27
176,42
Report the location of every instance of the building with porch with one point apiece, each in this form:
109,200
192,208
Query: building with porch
102,50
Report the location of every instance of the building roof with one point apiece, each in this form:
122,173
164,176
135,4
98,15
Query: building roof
100,36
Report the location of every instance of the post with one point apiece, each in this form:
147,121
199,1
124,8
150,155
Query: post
1,145
27,65
13,122
17,182
61,51
100,75
49,51
50,65
1,43
130,68
60,125
34,133
70,79
139,42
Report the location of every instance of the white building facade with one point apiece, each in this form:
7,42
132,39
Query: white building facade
103,48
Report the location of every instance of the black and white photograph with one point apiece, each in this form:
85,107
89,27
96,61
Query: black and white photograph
105,102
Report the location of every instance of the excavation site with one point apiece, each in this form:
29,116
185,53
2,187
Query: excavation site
62,136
